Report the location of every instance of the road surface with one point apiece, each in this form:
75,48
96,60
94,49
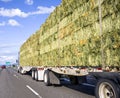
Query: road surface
14,85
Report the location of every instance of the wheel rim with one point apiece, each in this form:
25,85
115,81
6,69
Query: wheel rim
106,90
36,75
45,78
32,74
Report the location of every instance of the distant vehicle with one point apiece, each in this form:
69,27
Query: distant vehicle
3,67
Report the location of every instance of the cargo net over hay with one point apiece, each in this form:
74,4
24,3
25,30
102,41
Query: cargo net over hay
71,36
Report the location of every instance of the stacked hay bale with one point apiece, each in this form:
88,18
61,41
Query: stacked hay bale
29,51
71,35
35,49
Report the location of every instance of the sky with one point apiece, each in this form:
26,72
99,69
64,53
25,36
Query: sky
19,19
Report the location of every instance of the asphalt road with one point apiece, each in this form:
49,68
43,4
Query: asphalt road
14,85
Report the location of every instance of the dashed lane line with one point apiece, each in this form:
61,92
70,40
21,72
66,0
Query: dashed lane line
33,91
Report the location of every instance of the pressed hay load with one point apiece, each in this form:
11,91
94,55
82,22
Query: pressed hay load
71,36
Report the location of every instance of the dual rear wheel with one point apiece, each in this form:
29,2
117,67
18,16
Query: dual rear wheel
35,75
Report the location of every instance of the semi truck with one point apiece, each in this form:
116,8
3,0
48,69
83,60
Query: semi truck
79,38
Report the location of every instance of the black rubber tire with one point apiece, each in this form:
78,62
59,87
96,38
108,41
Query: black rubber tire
36,77
33,74
46,78
108,88
18,71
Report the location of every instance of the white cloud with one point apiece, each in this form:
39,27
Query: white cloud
10,22
9,45
4,59
6,0
12,12
17,12
2,23
8,52
29,2
42,10
13,22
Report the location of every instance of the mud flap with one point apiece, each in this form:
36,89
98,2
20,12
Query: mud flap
54,78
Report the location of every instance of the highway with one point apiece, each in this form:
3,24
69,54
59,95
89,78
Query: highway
14,85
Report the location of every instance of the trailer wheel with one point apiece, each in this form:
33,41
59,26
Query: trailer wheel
46,78
33,74
36,75
106,89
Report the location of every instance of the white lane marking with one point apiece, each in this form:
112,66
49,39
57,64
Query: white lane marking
15,76
33,91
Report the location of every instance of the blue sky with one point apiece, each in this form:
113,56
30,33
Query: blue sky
18,20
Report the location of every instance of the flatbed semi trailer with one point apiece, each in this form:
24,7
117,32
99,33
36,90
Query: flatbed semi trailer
79,38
